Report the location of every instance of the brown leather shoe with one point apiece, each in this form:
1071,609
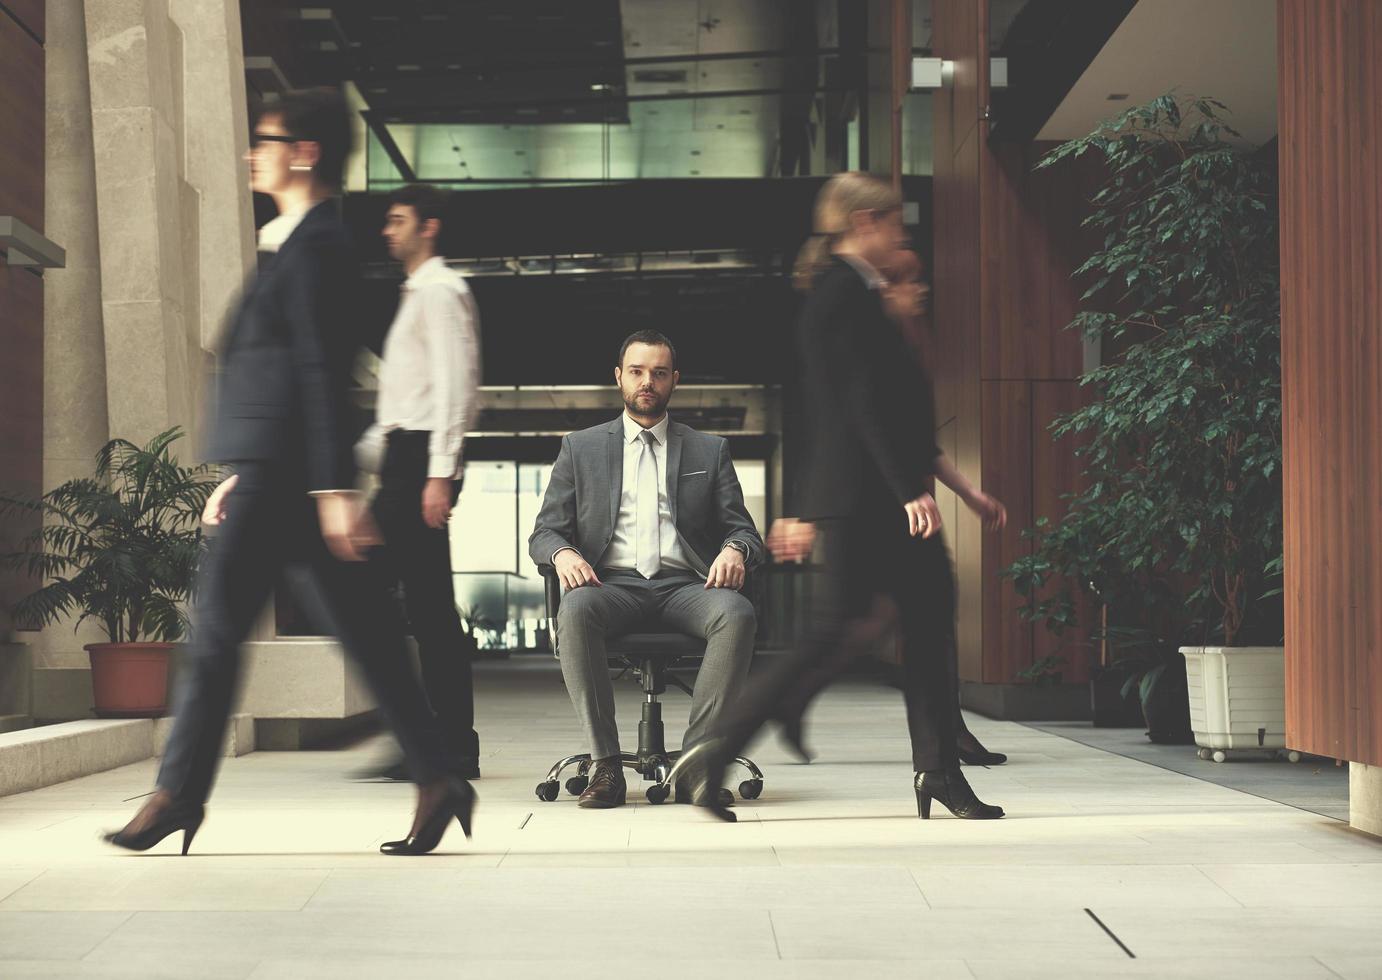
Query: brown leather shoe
607,788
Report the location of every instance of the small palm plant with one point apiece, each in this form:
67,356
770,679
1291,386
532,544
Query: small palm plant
121,548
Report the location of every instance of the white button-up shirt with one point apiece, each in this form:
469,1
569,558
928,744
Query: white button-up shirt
623,547
430,376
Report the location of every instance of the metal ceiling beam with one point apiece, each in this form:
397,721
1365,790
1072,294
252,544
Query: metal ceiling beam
386,140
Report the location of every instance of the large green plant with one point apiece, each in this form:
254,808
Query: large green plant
121,548
1181,445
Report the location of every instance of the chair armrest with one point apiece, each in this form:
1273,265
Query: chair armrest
551,586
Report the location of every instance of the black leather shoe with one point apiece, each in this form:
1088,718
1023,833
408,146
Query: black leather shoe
950,787
176,816
607,788
973,753
457,802
684,795
795,738
701,776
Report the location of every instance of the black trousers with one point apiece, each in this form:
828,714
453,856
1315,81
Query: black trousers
271,531
417,559
875,578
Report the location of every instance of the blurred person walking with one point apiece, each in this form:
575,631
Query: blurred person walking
870,422
429,380
906,298
280,420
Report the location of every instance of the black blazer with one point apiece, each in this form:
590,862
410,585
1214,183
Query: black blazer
284,367
869,407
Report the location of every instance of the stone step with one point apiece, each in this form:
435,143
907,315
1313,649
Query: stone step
50,754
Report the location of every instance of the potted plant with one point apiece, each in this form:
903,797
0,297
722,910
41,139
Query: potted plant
120,548
1180,517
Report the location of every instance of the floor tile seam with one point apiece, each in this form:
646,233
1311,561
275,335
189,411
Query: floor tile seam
125,920
1332,971
19,888
1208,878
912,873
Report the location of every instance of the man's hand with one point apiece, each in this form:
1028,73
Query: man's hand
923,516
791,539
728,570
436,501
346,525
573,570
214,512
989,510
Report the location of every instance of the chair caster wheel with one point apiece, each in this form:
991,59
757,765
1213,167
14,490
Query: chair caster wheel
1219,755
547,791
658,793
1292,756
576,785
1204,754
751,789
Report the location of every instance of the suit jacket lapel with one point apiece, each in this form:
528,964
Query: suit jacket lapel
673,467
614,459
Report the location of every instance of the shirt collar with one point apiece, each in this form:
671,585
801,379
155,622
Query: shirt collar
425,271
276,231
632,430
871,276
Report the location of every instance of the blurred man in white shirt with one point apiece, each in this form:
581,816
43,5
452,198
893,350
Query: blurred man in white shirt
428,388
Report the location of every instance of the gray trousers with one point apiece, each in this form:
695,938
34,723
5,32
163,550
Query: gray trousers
680,601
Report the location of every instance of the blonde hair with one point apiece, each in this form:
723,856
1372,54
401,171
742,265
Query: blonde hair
842,195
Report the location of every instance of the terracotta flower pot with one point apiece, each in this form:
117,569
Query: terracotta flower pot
129,680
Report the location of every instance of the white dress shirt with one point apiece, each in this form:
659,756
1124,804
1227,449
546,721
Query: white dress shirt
276,231
430,376
623,547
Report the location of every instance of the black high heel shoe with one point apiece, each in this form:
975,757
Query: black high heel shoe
954,793
796,740
698,776
458,802
186,817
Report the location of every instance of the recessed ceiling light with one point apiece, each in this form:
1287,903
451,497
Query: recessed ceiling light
1117,96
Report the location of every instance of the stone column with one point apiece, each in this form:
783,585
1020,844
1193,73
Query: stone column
134,55
215,137
74,359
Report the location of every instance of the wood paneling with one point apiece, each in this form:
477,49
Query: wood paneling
21,292
1007,475
1031,221
1056,472
21,124
1330,116
1006,242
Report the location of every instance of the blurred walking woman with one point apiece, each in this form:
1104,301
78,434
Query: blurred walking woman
870,425
280,421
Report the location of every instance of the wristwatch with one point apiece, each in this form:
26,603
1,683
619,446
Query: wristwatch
740,547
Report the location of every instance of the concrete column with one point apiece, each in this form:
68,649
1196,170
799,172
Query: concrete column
215,137
134,51
74,359
1365,798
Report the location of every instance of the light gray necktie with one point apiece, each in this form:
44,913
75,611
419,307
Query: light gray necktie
649,532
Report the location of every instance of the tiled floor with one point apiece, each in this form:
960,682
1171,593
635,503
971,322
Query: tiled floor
829,875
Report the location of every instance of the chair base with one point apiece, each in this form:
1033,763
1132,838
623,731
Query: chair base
654,767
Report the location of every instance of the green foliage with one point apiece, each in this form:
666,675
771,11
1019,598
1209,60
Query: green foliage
1181,448
1045,671
121,548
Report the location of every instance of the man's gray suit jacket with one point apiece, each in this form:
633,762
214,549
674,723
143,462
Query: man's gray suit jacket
582,500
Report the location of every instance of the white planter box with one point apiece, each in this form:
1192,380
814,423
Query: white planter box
1237,699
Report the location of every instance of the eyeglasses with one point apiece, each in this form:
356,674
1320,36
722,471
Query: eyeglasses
258,138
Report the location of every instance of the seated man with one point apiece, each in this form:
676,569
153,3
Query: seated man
644,520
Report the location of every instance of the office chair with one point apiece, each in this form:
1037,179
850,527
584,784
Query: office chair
650,653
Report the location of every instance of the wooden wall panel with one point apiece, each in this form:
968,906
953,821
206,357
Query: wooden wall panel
21,292
1007,475
1330,126
1056,472
21,124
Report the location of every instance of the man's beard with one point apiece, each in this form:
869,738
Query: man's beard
654,408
